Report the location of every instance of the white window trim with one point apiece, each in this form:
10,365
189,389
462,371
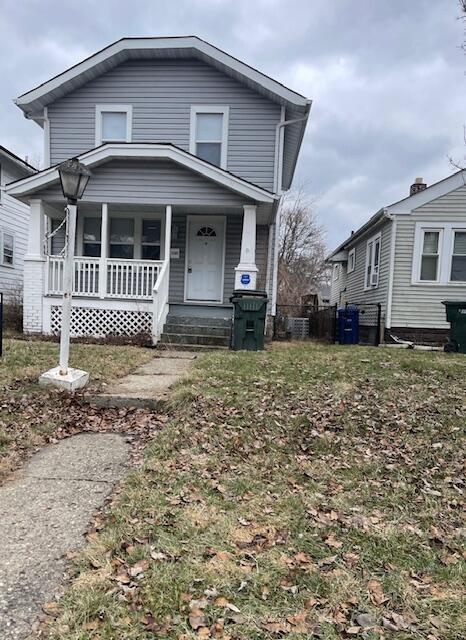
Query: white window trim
351,258
373,240
447,230
207,108
336,272
2,260
106,108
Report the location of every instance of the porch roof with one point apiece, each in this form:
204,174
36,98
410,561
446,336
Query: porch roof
25,188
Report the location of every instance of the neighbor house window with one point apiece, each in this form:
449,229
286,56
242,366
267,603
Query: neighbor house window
430,256
121,238
336,272
8,247
113,123
351,260
150,240
209,134
373,262
92,237
458,258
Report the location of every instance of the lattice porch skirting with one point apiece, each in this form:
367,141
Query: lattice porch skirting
101,323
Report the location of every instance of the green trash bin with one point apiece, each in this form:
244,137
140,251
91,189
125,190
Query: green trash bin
456,316
250,309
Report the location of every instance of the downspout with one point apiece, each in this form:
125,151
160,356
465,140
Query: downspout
391,272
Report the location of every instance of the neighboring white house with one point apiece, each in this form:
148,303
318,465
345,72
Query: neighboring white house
14,225
190,150
409,257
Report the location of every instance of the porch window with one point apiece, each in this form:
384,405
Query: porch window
430,256
458,258
209,134
150,240
92,239
122,238
113,123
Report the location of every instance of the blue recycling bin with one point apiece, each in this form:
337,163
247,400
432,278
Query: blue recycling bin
348,325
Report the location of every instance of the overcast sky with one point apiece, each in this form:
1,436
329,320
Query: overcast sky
386,77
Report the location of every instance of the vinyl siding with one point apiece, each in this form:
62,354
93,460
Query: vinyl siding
352,284
14,219
161,93
337,287
234,226
419,305
150,182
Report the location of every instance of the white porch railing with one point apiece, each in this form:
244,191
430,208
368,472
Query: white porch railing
160,296
129,279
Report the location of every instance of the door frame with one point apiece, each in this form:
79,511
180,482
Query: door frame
189,220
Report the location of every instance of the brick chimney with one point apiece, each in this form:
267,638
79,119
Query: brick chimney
418,185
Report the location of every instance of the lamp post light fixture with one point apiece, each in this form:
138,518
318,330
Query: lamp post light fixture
74,177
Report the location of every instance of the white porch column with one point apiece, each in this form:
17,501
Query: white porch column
103,252
168,231
246,271
34,270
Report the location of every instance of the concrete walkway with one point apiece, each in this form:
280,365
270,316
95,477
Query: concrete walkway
44,512
148,385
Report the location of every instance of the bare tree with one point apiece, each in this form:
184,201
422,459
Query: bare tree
301,257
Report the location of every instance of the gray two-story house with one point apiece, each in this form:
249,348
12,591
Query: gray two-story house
190,150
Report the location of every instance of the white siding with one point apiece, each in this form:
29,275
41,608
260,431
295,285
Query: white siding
161,93
14,217
420,305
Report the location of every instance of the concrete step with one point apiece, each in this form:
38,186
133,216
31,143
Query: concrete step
172,347
198,321
192,338
197,329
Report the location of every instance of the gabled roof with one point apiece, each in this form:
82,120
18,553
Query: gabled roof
33,101
405,206
16,160
148,151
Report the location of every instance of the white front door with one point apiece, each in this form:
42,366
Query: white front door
205,241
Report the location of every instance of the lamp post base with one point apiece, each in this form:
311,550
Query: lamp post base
75,379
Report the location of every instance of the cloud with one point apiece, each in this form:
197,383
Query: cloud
387,79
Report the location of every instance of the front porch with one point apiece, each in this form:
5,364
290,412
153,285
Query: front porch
136,263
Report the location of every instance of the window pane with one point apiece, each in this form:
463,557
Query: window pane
429,268
91,249
376,253
150,252
151,231
458,269
431,242
121,251
122,230
210,151
92,228
7,248
114,125
460,242
209,127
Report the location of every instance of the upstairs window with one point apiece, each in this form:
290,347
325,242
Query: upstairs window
373,262
351,261
209,134
458,258
113,123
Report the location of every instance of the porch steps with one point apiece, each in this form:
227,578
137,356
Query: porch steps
190,332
